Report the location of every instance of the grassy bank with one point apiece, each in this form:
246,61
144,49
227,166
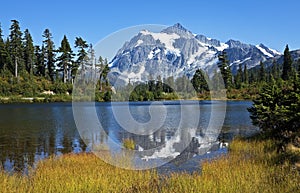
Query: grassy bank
250,166
38,99
60,96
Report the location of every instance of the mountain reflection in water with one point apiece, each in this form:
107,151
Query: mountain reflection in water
32,132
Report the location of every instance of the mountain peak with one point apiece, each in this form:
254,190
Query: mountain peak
175,51
179,26
178,29
267,51
237,44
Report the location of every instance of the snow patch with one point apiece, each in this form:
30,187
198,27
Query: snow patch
264,51
275,51
222,47
131,76
239,61
192,59
219,48
166,39
139,42
153,53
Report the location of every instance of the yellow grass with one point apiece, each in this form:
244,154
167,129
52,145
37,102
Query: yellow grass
249,167
129,144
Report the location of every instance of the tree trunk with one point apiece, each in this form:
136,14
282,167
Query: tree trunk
16,68
65,73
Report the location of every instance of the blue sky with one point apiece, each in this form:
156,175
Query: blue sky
272,22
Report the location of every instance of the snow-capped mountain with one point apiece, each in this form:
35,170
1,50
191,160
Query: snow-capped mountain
175,51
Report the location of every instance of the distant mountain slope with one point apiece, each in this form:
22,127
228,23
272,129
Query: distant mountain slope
175,51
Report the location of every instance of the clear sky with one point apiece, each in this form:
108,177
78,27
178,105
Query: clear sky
272,22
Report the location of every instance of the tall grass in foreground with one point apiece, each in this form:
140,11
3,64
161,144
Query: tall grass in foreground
249,167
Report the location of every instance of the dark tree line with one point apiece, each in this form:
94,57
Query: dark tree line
276,109
44,66
245,78
18,55
158,89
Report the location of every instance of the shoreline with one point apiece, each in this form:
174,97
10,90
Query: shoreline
68,99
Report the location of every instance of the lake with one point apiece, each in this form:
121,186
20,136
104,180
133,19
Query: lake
168,134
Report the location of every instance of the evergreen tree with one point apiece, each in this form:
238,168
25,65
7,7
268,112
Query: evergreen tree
239,77
81,55
16,48
275,71
151,85
199,82
180,84
28,52
276,112
49,54
104,72
91,55
9,61
225,70
246,75
217,81
3,52
39,61
158,87
262,72
166,86
100,66
287,64
65,59
2,47
170,84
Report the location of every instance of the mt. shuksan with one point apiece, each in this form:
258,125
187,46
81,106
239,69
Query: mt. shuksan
175,51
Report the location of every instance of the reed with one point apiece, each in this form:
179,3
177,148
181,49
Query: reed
249,167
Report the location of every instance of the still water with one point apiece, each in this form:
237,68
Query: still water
31,132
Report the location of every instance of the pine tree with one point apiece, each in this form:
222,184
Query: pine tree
100,65
239,77
151,84
158,87
217,81
3,52
104,72
170,84
262,72
275,71
65,60
16,48
28,52
199,81
39,61
287,64
49,54
81,55
91,55
276,112
8,64
246,75
225,70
